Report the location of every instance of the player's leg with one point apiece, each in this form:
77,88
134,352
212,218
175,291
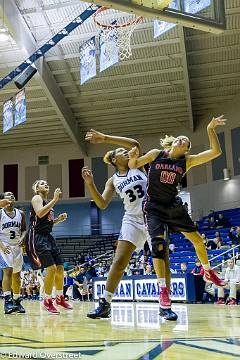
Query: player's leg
6,287
16,287
16,279
160,256
59,280
122,257
201,252
49,282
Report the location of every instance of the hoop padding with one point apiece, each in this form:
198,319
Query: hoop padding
117,35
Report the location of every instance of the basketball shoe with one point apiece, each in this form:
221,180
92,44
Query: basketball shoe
9,306
165,301
103,311
232,302
60,301
19,308
165,305
48,305
168,314
220,301
211,276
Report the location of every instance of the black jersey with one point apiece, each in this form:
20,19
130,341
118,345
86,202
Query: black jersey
163,178
42,225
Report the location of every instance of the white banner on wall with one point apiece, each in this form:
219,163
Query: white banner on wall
124,290
148,289
142,289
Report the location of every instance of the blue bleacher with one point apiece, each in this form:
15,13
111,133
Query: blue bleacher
184,250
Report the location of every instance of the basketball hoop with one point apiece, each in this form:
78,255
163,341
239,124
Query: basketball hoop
117,35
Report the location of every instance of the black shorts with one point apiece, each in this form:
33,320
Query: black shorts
42,250
174,216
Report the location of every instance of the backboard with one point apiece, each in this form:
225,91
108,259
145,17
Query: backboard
205,15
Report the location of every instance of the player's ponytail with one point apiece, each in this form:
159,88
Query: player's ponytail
108,157
167,142
35,186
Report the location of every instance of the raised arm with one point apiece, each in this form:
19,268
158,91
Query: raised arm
37,203
215,149
136,162
96,137
103,200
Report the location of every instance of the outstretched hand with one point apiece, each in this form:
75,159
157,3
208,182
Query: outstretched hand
218,121
133,153
87,175
62,217
94,137
4,202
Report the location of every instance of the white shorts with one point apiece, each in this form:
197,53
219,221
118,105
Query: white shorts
13,260
134,230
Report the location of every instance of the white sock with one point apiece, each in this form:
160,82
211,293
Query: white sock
108,296
59,292
16,296
206,266
162,282
6,293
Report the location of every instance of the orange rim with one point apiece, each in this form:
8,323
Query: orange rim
136,21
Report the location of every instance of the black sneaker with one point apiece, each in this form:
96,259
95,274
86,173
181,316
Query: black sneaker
9,306
19,308
168,314
103,311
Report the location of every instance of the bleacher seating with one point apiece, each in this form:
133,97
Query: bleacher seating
96,244
184,250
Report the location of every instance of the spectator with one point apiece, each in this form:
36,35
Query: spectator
184,269
68,282
212,214
232,282
171,248
100,269
218,240
212,223
80,259
211,244
148,270
234,235
198,273
78,284
222,222
205,240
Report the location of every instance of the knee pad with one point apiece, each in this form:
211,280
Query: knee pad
156,242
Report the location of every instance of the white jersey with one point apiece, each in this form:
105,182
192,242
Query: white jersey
132,189
10,227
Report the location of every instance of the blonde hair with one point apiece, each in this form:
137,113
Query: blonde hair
167,142
108,157
35,185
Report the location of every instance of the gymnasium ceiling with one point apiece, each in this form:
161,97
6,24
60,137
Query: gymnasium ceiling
168,82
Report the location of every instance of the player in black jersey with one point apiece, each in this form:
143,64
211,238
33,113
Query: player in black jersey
165,211
41,246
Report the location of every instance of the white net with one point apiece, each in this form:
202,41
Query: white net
116,31
118,37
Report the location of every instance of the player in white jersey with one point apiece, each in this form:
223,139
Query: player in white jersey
12,233
131,186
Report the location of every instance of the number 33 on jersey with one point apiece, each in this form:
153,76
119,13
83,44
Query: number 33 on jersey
132,188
